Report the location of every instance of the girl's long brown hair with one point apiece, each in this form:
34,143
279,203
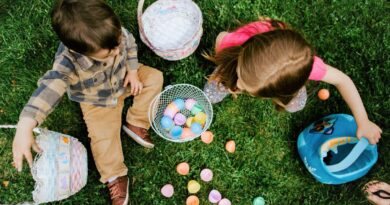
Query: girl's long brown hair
274,64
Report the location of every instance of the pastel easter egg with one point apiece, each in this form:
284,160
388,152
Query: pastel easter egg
193,186
172,106
192,200
187,133
230,146
190,103
166,123
179,103
196,109
189,121
200,118
167,190
183,168
206,175
215,196
225,201
207,137
258,201
176,132
323,94
179,119
170,112
196,128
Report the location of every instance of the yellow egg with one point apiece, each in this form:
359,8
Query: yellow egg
183,168
172,106
189,121
193,186
230,146
192,200
200,118
207,137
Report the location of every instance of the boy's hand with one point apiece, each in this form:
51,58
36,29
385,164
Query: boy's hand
369,130
132,78
23,141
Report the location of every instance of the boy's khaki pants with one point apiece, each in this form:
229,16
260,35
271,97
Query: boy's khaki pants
104,124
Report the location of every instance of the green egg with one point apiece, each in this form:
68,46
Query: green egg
259,201
196,109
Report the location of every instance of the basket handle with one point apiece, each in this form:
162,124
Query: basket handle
141,25
357,150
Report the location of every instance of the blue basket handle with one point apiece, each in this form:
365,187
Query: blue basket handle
357,150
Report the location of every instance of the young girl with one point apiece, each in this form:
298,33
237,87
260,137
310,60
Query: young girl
267,59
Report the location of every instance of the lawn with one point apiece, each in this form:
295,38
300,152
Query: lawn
353,36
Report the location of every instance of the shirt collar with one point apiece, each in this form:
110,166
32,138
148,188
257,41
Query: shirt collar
84,61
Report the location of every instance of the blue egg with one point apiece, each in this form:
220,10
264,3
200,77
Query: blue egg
196,128
179,103
176,132
166,123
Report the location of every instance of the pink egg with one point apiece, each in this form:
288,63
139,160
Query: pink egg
187,133
183,168
207,137
215,196
190,103
206,175
167,190
192,200
170,113
225,201
230,146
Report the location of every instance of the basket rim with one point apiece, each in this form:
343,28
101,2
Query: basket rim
198,32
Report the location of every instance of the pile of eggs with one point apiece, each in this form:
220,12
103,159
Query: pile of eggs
177,124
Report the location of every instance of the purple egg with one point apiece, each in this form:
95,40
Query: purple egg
225,201
180,119
167,190
215,196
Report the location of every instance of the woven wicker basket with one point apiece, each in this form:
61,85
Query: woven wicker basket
171,28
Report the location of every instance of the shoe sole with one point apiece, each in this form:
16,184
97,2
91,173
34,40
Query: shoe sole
137,139
127,194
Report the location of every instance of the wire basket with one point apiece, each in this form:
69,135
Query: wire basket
171,93
171,28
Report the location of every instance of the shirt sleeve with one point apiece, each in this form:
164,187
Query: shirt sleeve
241,35
318,70
131,49
51,88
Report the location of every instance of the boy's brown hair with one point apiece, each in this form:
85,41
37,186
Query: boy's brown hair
274,65
86,26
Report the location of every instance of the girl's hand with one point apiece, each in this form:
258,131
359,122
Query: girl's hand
23,141
369,130
132,78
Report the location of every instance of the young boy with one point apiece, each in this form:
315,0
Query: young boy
97,65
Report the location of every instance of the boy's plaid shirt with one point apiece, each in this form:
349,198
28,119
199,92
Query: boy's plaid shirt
84,79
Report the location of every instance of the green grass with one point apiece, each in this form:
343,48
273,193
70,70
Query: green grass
351,35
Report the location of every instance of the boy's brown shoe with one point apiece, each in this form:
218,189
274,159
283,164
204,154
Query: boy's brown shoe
119,190
138,134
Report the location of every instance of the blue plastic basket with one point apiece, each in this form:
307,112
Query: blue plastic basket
332,153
